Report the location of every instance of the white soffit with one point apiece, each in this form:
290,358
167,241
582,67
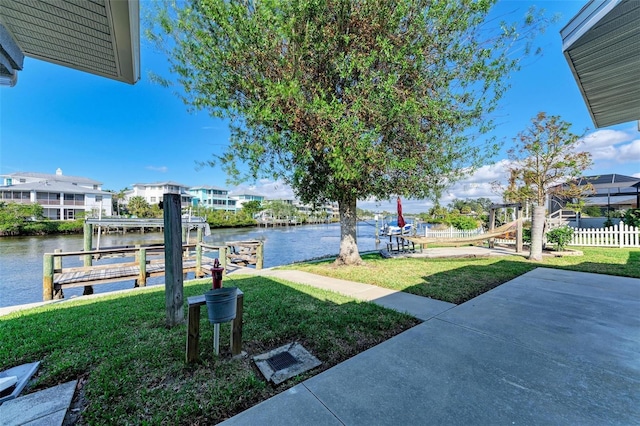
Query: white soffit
97,36
602,46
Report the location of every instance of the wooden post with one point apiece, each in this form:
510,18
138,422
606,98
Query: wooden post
47,277
222,258
492,225
88,235
57,266
193,333
88,261
260,255
198,272
519,229
142,262
236,325
173,287
57,260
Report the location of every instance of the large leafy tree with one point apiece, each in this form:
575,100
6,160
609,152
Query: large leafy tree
545,160
344,99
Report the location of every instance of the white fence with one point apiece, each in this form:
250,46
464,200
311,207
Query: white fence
452,233
620,235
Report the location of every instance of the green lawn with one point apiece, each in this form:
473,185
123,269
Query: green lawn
133,369
458,280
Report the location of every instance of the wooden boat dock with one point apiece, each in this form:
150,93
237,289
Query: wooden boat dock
147,262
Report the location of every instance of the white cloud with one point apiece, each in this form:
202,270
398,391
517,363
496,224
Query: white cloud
604,138
630,152
604,153
272,190
636,175
161,169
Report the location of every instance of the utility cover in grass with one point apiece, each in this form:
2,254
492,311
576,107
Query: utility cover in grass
285,362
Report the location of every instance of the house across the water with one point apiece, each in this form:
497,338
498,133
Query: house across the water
62,197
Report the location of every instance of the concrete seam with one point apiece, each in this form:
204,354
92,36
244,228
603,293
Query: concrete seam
323,404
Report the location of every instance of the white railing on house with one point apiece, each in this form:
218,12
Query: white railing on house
452,233
621,235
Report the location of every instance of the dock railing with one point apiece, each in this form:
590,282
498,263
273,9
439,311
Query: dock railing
55,277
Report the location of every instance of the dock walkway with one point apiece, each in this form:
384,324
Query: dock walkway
106,274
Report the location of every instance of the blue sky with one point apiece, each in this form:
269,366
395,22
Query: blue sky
120,134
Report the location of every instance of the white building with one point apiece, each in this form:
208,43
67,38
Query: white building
154,192
62,197
245,196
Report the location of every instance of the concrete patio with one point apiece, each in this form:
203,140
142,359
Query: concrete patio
549,347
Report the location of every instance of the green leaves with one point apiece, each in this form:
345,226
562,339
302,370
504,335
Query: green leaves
345,99
545,156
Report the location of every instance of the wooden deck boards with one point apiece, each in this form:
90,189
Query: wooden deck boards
115,273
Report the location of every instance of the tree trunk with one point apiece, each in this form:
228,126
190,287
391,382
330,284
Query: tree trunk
537,233
349,254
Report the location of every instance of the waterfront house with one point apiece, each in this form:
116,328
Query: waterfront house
154,192
325,211
212,197
245,196
61,196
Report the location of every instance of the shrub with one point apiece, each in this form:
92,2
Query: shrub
561,237
592,211
464,222
632,217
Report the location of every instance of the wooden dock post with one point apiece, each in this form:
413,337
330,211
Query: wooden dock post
222,258
142,261
57,260
88,261
198,272
88,235
47,277
260,255
174,284
57,266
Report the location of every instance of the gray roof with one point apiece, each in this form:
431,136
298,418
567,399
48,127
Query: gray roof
167,182
611,184
602,46
52,177
54,186
98,36
610,179
247,192
217,188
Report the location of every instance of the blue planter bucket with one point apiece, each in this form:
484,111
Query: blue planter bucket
221,304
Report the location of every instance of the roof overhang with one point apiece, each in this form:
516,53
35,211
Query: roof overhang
100,37
602,46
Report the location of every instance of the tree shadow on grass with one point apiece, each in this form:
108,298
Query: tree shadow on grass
459,285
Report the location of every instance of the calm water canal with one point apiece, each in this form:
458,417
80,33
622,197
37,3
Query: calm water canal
21,257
